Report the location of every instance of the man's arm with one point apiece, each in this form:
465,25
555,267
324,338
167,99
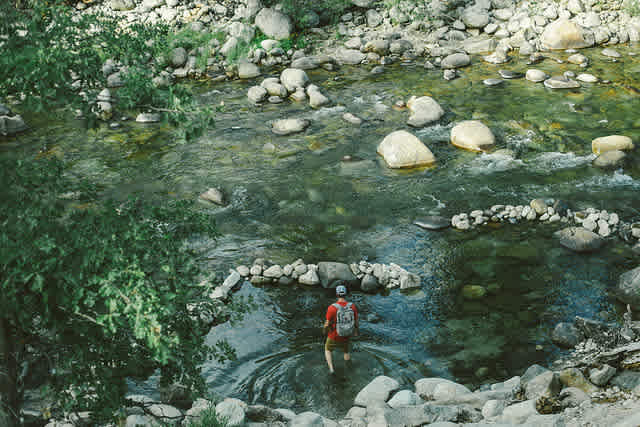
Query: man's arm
325,328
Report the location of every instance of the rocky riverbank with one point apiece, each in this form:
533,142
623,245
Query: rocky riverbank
598,385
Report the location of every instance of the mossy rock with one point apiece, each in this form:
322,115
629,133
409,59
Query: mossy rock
473,292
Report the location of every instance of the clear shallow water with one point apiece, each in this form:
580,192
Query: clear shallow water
303,201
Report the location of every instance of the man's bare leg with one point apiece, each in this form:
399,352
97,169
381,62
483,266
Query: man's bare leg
328,356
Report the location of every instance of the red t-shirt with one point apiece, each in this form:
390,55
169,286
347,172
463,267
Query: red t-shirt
331,317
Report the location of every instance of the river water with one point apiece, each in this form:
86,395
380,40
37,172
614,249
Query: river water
299,199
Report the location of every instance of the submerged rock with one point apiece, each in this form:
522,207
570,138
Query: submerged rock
561,82
579,239
433,222
289,126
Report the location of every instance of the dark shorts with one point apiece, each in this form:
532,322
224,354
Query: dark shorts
331,345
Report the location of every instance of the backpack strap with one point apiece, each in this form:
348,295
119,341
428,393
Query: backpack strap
336,305
349,304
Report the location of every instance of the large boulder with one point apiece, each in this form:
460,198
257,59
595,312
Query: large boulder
546,384
628,287
349,56
564,34
233,410
377,391
579,239
472,135
424,110
293,78
400,149
438,388
611,143
330,273
273,23
456,60
248,70
610,159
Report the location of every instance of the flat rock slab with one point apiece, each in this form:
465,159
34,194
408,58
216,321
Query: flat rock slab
508,74
492,82
433,222
561,82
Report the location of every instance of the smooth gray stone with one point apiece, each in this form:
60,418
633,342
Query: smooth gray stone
492,82
508,74
433,222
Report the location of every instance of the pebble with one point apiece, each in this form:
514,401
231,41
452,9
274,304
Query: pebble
492,82
508,74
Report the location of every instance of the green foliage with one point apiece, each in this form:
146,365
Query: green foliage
295,41
632,7
94,292
209,418
54,55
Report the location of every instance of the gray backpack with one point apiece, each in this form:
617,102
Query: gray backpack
345,319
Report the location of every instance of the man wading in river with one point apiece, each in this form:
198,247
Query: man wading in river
341,323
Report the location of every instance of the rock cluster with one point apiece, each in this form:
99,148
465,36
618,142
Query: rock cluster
292,83
363,275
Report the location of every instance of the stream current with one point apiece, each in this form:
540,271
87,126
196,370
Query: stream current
295,197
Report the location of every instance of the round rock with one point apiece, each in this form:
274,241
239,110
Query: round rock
536,76
424,110
289,126
455,60
472,135
565,34
611,142
610,159
492,82
579,239
401,149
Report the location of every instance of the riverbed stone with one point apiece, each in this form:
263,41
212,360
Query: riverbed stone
257,94
289,126
536,76
519,413
475,17
610,159
573,377
369,283
579,239
234,410
611,142
349,56
165,413
11,125
561,82
178,57
401,149
404,398
307,419
547,384
565,34
273,23
566,335
472,135
426,387
377,391
578,59
293,78
432,222
309,278
316,98
424,110
214,195
331,273
628,288
586,78
148,118
248,70
600,376
611,53
456,60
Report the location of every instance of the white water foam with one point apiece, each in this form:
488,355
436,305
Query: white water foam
328,111
487,163
554,160
616,180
